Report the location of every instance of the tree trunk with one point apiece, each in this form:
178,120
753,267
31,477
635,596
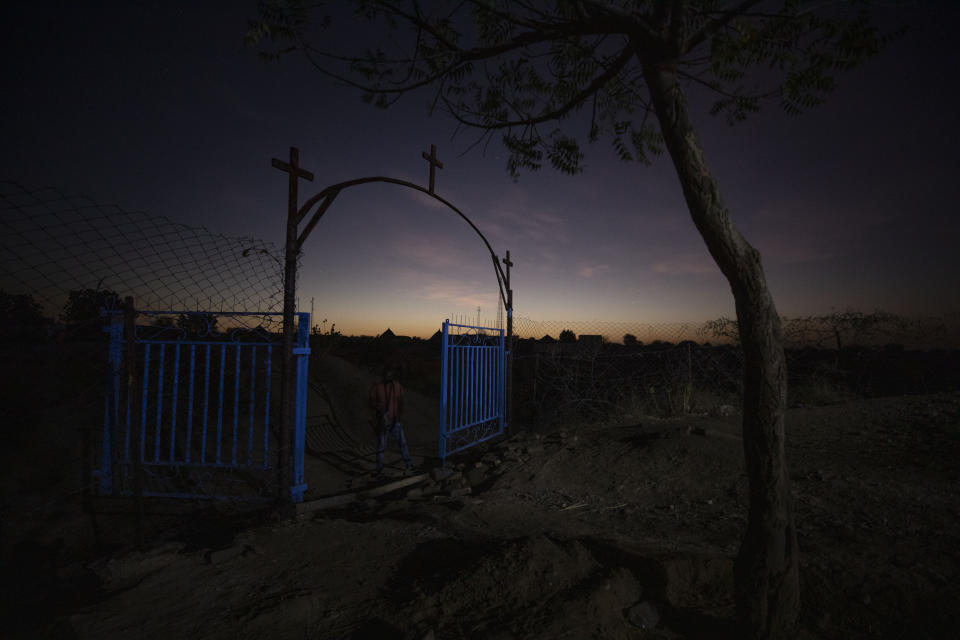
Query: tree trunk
767,580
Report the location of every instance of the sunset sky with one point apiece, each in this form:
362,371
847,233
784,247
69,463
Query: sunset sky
157,106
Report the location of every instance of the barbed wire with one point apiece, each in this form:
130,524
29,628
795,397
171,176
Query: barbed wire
52,244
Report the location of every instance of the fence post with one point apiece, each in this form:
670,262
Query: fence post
288,376
302,354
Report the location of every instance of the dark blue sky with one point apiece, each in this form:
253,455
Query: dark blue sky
157,106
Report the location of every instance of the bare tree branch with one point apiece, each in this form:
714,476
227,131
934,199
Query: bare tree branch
715,25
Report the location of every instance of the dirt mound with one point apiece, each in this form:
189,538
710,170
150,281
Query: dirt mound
529,587
588,531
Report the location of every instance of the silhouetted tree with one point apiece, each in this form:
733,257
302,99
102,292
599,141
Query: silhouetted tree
82,310
514,67
629,340
21,318
201,325
568,336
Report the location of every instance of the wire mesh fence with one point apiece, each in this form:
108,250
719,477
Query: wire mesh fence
593,370
64,260
64,257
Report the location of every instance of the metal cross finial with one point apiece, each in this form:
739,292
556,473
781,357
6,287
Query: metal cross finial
434,163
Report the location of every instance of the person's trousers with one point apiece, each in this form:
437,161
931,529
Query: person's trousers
393,431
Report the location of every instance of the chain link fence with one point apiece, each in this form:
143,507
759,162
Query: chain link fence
63,258
600,370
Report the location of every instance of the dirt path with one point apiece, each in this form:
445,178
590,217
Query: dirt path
597,531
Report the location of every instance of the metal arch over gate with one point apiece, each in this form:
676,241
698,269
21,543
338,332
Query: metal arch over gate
318,204
189,414
473,394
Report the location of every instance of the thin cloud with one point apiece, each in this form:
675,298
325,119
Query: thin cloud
519,221
456,294
431,250
589,270
687,264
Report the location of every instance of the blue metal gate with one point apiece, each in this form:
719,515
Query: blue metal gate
473,371
199,420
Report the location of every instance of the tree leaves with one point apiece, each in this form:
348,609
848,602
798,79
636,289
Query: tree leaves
509,66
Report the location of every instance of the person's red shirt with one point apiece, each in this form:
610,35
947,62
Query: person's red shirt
387,396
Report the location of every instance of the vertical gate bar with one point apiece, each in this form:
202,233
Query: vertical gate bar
487,388
189,445
460,358
475,371
491,362
268,367
253,395
472,386
223,367
173,403
478,385
468,390
475,384
206,405
483,383
484,353
156,431
454,387
236,402
143,400
481,358
491,381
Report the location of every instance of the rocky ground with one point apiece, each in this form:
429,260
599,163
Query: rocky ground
615,530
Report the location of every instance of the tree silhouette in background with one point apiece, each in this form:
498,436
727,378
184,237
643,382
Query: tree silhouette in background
568,336
202,325
81,313
21,318
524,69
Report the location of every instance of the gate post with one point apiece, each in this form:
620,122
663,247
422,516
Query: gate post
291,251
443,395
302,355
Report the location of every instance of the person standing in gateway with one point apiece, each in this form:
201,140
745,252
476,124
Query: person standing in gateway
386,399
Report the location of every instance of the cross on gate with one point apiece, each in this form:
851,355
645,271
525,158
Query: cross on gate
293,168
434,163
508,263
